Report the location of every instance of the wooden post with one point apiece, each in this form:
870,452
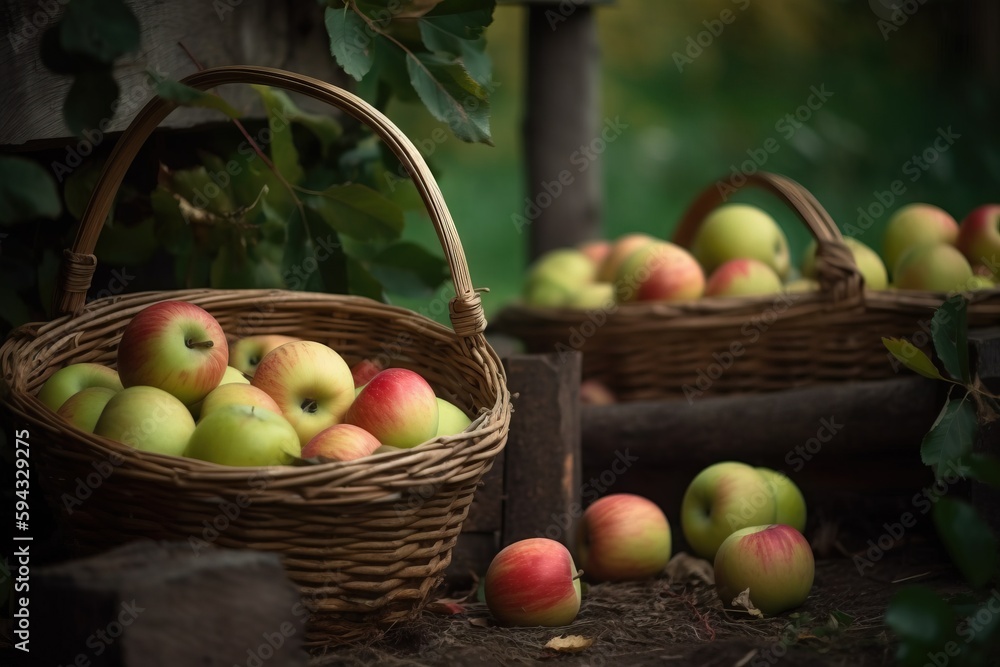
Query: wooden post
561,122
985,355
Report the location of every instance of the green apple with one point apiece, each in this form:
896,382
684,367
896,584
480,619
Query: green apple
660,271
935,268
774,562
869,264
720,500
621,249
743,277
451,419
147,418
915,225
556,276
72,379
244,435
247,352
594,296
980,282
791,506
84,408
310,382
235,393
734,231
175,346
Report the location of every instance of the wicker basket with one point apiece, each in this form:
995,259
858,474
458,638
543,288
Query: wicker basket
715,346
368,540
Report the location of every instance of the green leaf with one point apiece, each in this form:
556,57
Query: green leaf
27,191
949,332
454,28
56,59
351,41
408,269
451,95
922,621
912,357
325,255
362,282
198,188
284,154
360,212
951,437
186,96
968,539
985,469
90,100
172,230
102,29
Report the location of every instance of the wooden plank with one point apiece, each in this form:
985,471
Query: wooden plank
985,356
153,604
470,559
542,470
290,36
486,511
562,130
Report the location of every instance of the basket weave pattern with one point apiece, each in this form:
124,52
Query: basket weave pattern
366,540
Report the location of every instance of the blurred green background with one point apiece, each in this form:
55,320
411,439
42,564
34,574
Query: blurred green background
893,87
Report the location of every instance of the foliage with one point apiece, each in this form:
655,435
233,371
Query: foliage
957,631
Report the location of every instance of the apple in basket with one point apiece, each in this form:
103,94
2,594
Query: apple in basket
660,271
84,408
533,582
341,442
148,419
451,419
365,370
743,277
741,230
979,239
916,225
71,379
247,352
244,435
175,346
398,407
310,382
237,394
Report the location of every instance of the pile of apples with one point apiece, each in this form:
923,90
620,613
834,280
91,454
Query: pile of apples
747,520
740,250
270,400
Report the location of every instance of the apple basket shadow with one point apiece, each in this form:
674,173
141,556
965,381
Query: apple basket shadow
366,541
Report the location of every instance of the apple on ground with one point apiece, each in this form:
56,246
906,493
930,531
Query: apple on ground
869,264
533,582
914,225
597,250
743,277
452,420
247,352
621,249
660,271
556,276
979,239
237,394
365,370
595,392
398,407
84,408
790,505
774,562
623,537
74,378
341,442
721,499
734,231
175,346
147,418
310,382
244,435
938,267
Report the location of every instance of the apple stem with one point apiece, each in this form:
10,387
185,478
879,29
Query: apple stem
309,405
579,573
200,343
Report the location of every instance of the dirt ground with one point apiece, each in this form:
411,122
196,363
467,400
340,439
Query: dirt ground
677,619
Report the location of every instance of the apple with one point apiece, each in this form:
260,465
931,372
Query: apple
978,282
979,237
938,267
398,407
556,276
743,277
660,271
533,582
773,561
721,499
800,285
623,537
915,225
311,384
597,250
237,394
790,505
734,231
595,392
869,264
365,370
452,420
147,418
341,442
593,296
244,435
247,352
233,376
621,249
84,408
74,378
175,346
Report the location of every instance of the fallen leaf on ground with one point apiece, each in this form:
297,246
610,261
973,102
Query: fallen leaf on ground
743,602
684,567
569,643
480,622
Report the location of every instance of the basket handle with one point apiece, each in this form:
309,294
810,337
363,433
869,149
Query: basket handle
835,266
78,264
